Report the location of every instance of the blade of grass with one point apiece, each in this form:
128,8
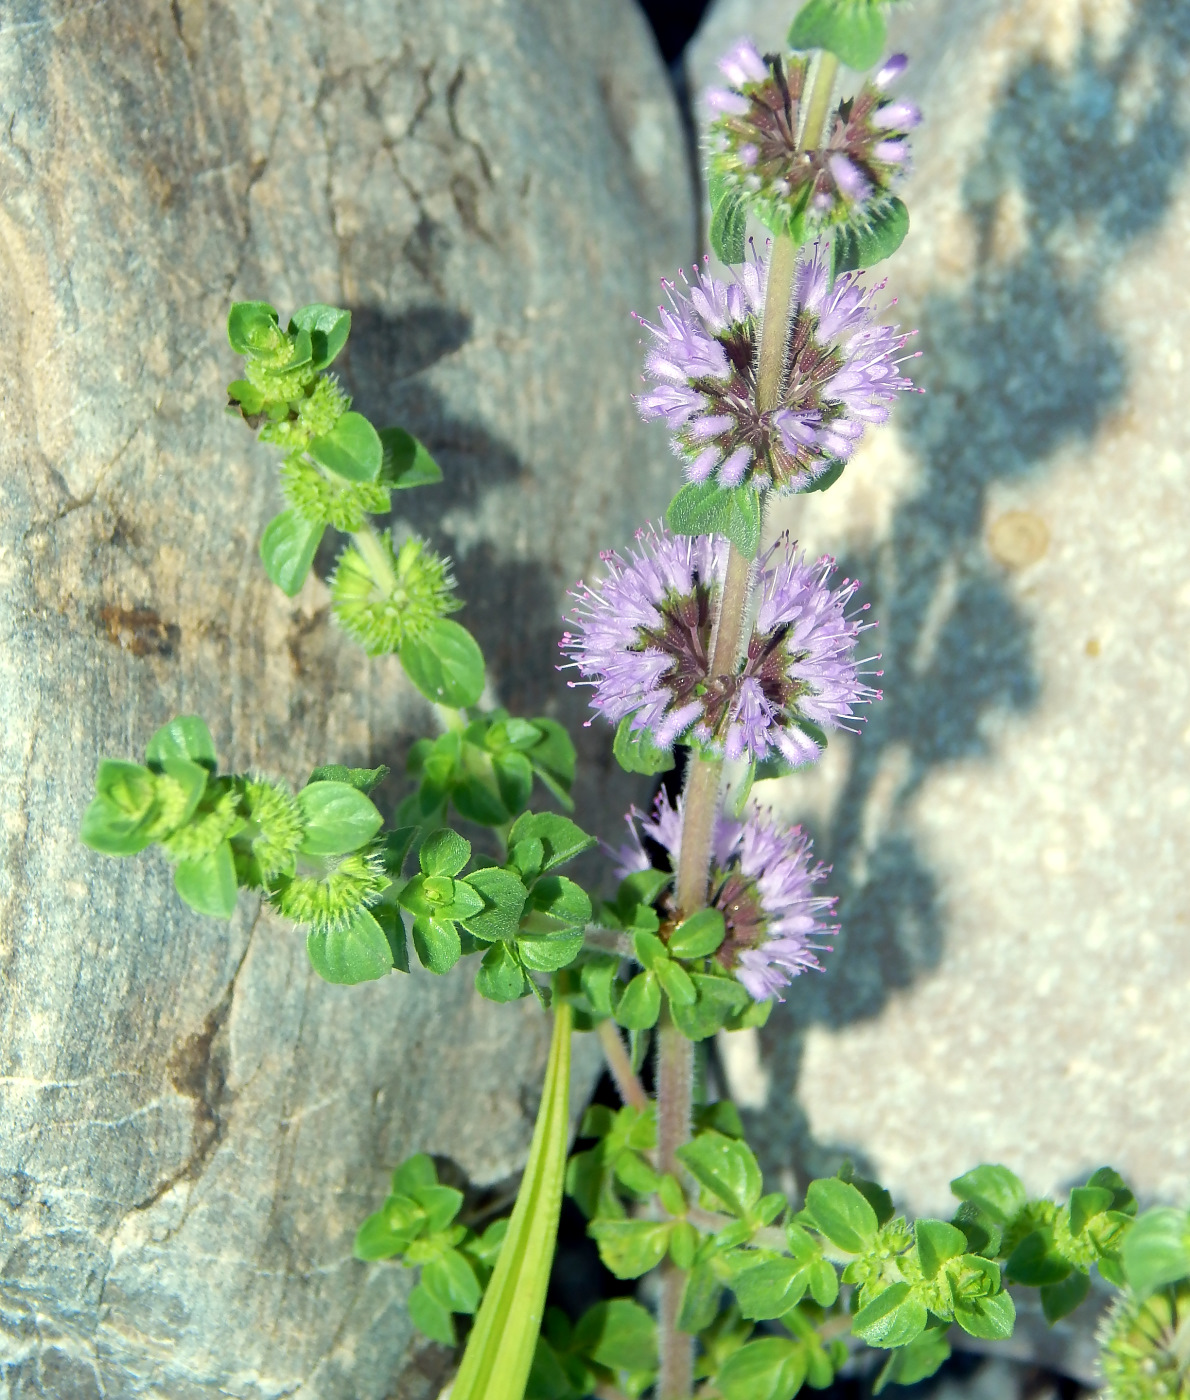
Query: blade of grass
500,1348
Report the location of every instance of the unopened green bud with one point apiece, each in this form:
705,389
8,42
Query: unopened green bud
382,596
317,414
1143,1346
323,499
330,898
266,846
215,820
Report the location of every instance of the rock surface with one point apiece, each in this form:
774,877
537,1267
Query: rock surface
191,1124
1009,835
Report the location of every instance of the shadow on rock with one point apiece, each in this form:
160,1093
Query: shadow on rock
1017,365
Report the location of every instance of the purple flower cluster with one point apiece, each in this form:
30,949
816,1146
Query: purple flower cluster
754,142
642,641
643,633
762,881
840,374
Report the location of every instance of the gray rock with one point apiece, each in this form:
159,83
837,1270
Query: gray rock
1008,836
192,1124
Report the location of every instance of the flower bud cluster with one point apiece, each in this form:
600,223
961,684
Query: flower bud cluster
642,641
756,143
839,374
762,881
390,595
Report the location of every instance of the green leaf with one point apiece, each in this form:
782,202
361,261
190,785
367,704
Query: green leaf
635,751
338,817
770,1369
406,462
514,779
724,1167
351,449
437,943
704,508
991,1318
820,483
596,978
1035,1261
557,905
251,326
1122,1198
916,1361
640,1005
191,778
1157,1249
824,1282
878,239
553,759
875,1194
474,800
770,1289
729,224
364,780
619,1334
842,1214
429,1316
209,884
893,1318
1060,1299
675,982
1086,1202
444,852
500,976
111,832
450,1280
288,547
185,736
500,1348
329,327
440,1203
248,396
936,1243
853,30
503,899
130,788
357,953
719,999
630,1248
445,663
549,952
700,1299
698,936
415,1173
560,838
995,1190
377,1238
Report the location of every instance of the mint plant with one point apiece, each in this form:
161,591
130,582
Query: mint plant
698,649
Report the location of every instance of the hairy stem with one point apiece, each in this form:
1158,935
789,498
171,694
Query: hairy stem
820,101
675,1082
675,1056
628,1085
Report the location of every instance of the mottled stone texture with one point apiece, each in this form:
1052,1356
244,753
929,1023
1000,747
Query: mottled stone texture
191,1124
1009,835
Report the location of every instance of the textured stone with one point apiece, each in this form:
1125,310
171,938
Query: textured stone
192,1125
1008,836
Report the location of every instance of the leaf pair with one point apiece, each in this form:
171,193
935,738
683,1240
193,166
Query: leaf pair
486,770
